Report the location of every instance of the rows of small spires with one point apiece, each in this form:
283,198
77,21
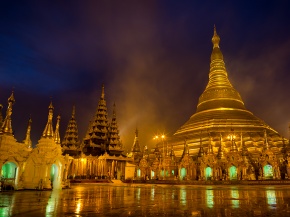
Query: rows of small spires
234,148
71,133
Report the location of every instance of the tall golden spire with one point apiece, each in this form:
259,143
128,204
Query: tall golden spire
7,125
219,91
56,134
48,130
27,140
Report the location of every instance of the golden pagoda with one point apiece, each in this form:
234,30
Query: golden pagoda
222,116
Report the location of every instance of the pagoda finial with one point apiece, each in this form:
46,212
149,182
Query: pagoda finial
103,91
48,130
56,133
266,140
215,39
7,125
73,114
27,140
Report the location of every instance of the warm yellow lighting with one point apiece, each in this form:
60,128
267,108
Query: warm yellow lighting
162,136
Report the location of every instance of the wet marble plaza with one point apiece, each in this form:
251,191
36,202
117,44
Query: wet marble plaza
149,200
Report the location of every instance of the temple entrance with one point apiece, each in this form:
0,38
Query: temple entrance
138,173
9,170
233,173
53,176
152,174
182,173
268,171
162,173
208,173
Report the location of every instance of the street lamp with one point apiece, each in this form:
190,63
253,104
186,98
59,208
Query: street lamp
161,137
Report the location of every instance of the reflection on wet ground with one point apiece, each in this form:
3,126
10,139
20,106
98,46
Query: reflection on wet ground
149,200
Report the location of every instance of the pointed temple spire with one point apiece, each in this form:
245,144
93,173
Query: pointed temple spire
266,141
96,140
201,151
70,142
136,145
27,140
185,150
210,149
56,133
220,154
115,145
232,138
136,153
7,125
172,154
219,91
220,108
48,130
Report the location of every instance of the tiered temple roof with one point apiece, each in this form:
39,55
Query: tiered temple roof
70,143
115,144
96,139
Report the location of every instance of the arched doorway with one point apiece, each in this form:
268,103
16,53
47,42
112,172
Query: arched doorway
152,174
138,173
268,171
54,176
182,173
208,173
233,173
9,170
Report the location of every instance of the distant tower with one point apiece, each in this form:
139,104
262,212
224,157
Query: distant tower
7,125
115,145
27,140
136,150
96,140
48,130
70,143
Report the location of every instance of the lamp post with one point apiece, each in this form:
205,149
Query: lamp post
158,138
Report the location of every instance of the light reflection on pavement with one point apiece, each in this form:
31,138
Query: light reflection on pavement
149,200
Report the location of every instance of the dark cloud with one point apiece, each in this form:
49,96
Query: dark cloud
152,56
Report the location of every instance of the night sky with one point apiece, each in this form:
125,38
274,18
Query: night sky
152,56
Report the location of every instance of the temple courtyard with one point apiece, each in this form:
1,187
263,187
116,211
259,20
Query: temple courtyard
149,200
